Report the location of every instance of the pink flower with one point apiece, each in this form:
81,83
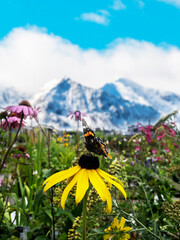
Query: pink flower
12,122
166,149
172,132
0,182
24,109
148,133
161,136
138,148
18,155
141,128
132,163
148,138
158,158
176,146
26,155
77,114
21,155
165,126
154,151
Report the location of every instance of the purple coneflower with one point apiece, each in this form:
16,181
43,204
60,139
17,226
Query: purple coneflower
24,109
17,156
77,114
12,122
24,154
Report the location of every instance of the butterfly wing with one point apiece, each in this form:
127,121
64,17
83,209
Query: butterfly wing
93,143
103,148
89,136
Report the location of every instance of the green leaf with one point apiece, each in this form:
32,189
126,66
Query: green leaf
27,191
48,212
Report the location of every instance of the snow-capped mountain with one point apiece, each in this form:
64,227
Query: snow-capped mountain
163,102
114,106
9,96
105,108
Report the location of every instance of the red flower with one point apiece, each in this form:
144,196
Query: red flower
154,151
176,146
166,149
172,132
161,136
158,158
138,148
165,126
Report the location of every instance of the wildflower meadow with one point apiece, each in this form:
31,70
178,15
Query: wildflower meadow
87,184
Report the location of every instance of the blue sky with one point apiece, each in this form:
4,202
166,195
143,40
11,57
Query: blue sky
150,20
116,28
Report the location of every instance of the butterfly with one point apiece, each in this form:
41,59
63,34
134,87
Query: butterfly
94,144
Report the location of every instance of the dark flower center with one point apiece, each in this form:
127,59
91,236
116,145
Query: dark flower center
12,114
88,161
21,148
25,103
3,114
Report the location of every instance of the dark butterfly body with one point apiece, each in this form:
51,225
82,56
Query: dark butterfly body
94,144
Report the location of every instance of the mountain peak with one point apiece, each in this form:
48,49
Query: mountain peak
114,106
104,110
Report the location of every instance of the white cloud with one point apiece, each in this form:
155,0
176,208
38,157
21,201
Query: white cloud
29,58
118,5
140,3
173,2
101,17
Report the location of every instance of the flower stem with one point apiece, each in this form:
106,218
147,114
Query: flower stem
160,238
84,215
77,139
147,199
51,190
11,145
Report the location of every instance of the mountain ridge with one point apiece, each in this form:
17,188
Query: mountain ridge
104,109
114,106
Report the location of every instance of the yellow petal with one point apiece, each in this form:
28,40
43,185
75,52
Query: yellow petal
115,223
107,236
60,176
109,175
82,184
64,172
67,190
122,222
126,236
127,229
105,176
101,188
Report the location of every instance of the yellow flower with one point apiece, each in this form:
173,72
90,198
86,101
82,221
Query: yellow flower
117,230
87,171
65,144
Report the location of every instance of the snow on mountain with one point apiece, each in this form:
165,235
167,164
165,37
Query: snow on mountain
9,96
115,106
163,102
104,108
